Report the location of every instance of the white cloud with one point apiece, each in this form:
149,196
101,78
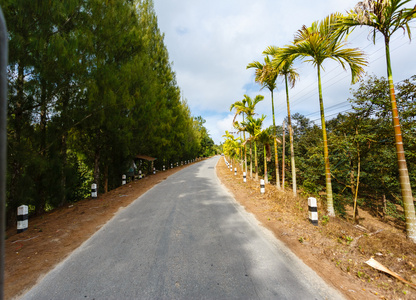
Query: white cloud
211,43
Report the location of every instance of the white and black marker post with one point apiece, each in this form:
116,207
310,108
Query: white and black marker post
154,171
262,189
123,179
313,211
244,177
93,190
22,218
235,171
164,169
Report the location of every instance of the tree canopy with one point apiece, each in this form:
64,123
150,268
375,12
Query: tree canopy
90,87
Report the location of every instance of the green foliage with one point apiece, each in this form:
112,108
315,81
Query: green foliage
366,136
91,86
325,220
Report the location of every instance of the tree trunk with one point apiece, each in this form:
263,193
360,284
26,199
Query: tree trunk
329,198
276,158
245,158
355,211
406,190
292,151
41,202
283,155
64,146
13,201
255,162
266,176
106,179
251,162
64,164
97,168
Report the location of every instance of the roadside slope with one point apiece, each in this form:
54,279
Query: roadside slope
336,249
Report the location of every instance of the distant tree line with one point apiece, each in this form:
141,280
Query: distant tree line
90,87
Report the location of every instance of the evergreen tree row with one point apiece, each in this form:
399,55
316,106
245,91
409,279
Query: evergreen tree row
90,87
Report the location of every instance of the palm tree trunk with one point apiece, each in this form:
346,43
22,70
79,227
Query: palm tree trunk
283,154
245,152
266,176
255,162
292,151
251,162
329,198
245,159
355,210
406,190
276,158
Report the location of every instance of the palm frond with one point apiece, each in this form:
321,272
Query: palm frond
384,16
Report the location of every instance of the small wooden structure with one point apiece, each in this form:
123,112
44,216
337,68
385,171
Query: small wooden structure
145,157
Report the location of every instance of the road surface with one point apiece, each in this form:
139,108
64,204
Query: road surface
186,238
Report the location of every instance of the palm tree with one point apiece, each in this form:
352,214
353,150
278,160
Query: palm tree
317,43
386,17
240,108
249,111
266,75
251,105
253,126
286,69
231,146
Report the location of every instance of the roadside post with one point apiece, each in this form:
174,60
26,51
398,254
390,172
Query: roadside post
313,211
244,177
123,179
262,189
94,191
22,218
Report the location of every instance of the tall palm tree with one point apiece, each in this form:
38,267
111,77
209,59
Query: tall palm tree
251,106
253,126
289,72
317,43
266,75
249,111
240,108
231,146
386,17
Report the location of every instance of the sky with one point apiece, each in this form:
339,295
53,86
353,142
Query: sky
210,44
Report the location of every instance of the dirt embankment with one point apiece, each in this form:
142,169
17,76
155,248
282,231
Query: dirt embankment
335,249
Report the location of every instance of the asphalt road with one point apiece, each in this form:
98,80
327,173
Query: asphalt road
186,238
